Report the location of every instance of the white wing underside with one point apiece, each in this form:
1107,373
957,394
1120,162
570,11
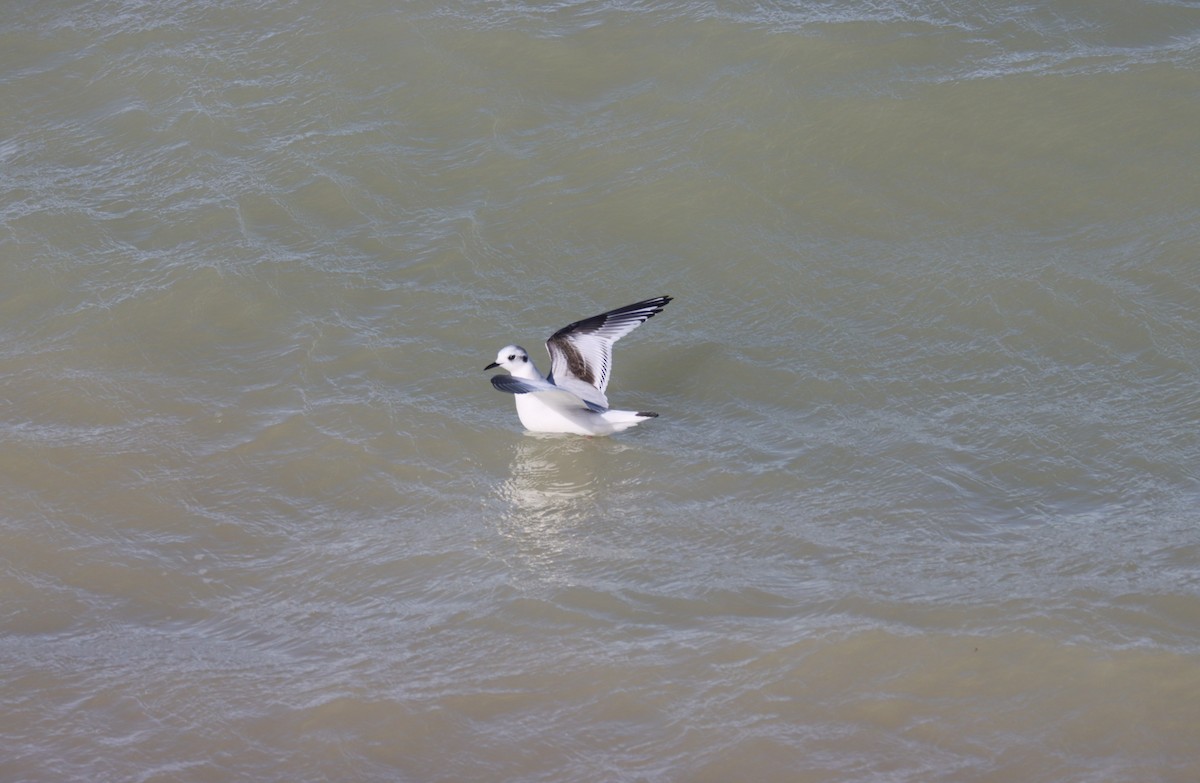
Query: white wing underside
581,353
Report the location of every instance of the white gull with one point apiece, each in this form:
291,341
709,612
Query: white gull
571,399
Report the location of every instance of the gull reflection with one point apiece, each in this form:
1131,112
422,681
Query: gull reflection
554,486
550,476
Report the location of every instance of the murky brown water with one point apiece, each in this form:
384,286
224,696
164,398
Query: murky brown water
921,503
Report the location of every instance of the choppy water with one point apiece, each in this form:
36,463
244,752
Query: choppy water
922,502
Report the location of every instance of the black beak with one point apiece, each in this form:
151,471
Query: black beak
490,366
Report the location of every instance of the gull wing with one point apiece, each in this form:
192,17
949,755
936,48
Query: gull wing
581,353
549,391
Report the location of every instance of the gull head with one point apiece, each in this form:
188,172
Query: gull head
512,358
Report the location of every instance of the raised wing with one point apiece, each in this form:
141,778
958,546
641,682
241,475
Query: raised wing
581,353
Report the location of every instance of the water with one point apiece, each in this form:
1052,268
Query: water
921,505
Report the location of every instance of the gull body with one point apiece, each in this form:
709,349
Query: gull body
571,399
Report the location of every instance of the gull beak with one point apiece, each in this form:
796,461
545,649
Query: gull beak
491,366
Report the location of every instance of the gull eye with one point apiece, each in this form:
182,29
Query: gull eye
512,356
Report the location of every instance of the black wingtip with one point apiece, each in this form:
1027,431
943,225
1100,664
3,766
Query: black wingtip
648,414
660,303
657,304
638,313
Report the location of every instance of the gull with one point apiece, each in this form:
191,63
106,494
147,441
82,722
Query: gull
571,399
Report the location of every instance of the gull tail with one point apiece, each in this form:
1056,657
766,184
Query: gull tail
623,420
